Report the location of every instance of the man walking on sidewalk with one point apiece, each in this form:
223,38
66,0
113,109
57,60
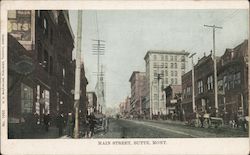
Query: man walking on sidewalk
60,123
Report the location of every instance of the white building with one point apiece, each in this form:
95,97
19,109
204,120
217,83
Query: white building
169,66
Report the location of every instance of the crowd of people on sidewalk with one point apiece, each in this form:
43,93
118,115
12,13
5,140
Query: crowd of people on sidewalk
87,126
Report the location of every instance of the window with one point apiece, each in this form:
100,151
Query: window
26,98
166,65
156,65
162,72
45,26
46,60
166,80
63,75
162,65
237,78
171,58
176,73
220,86
182,65
182,58
166,57
38,13
172,81
162,57
155,97
210,82
200,87
175,80
172,65
188,90
175,58
225,82
175,65
172,73
184,93
155,57
166,73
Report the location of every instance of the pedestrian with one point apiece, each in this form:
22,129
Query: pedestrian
106,124
69,125
60,123
92,125
202,120
236,120
86,127
46,120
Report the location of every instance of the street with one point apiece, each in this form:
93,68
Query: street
123,128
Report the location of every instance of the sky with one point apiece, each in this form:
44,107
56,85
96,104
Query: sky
129,34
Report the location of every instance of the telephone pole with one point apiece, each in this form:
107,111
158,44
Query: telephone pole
77,73
98,50
193,93
215,68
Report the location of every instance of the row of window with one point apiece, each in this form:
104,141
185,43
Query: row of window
165,65
47,31
228,82
168,57
174,73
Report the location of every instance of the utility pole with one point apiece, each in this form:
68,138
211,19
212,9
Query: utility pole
215,68
193,93
77,74
98,49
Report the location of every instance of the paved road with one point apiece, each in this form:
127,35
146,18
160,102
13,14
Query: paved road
122,128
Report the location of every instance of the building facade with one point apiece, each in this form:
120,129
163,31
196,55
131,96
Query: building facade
232,76
48,40
162,69
173,101
124,107
138,93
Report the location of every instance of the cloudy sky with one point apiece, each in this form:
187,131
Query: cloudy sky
130,34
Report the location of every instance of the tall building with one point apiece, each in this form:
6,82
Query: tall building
138,92
162,69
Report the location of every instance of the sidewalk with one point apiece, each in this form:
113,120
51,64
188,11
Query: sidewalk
42,134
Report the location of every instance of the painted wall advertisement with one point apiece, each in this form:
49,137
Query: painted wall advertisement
19,24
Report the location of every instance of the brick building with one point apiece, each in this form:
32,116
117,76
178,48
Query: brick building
232,73
47,38
138,93
233,81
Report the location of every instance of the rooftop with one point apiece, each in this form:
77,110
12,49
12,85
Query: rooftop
165,52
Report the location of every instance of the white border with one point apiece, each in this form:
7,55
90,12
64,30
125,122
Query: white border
90,146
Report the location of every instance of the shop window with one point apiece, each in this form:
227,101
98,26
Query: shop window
26,98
